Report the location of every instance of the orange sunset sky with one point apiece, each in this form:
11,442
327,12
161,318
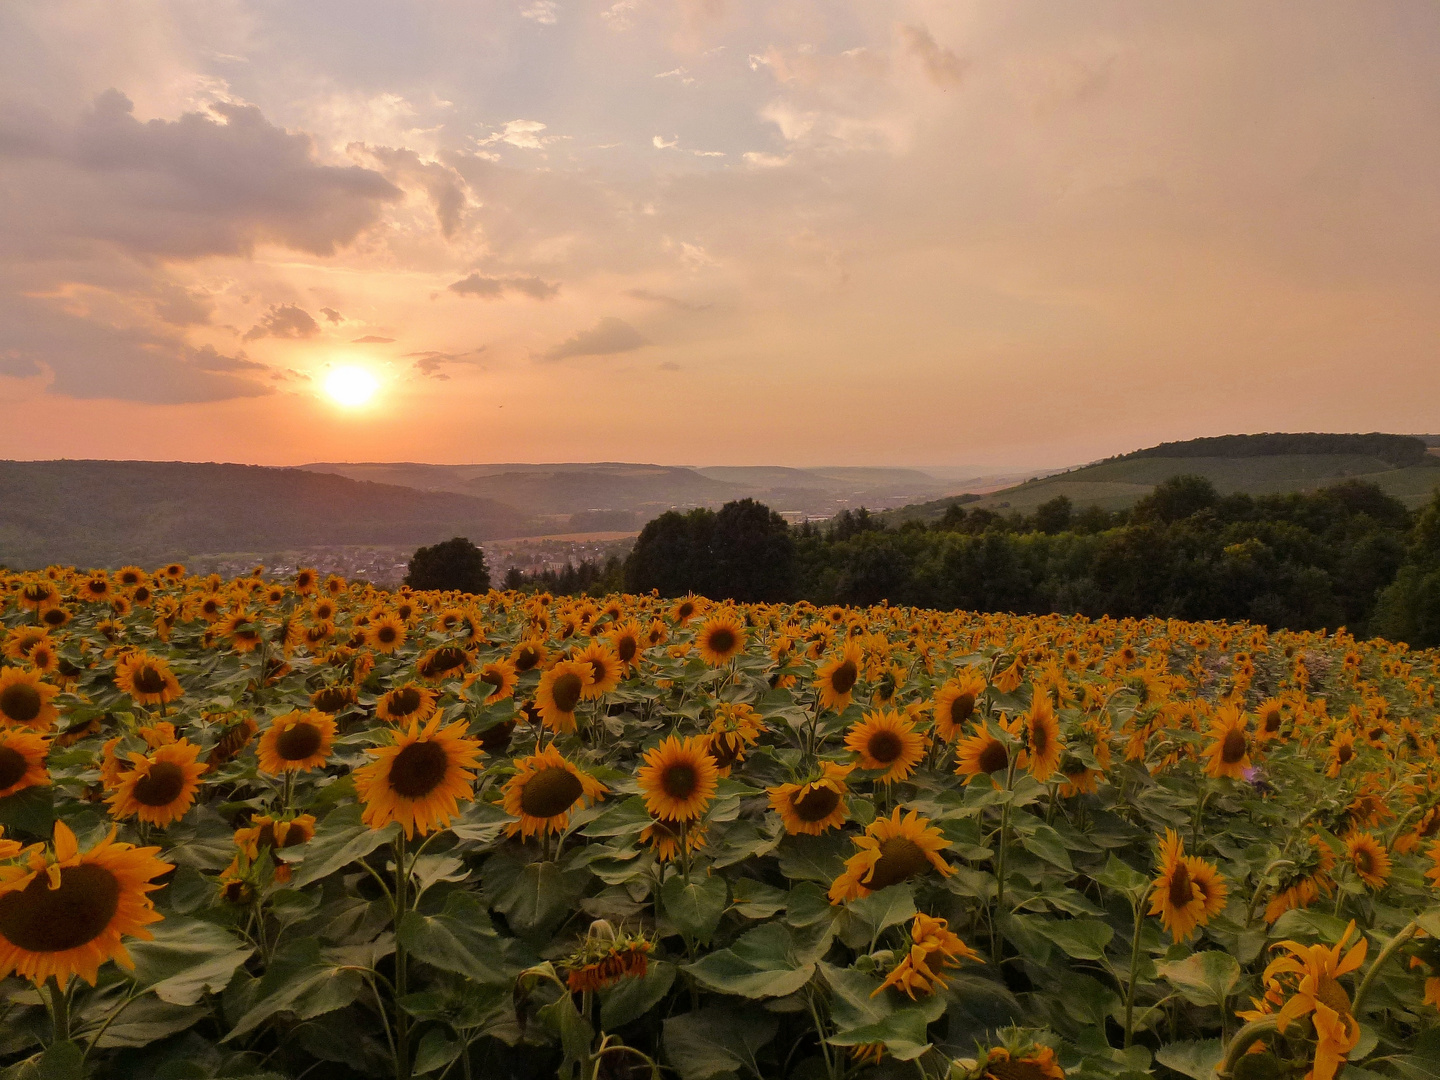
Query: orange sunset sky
713,231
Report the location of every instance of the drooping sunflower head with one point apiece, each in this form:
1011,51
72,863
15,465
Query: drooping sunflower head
544,790
418,777
443,662
892,850
296,742
66,911
721,638
333,699
678,779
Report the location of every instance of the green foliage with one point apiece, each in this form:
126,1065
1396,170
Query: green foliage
456,565
744,552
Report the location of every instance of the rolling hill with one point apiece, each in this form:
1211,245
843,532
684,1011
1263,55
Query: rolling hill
108,513
1406,467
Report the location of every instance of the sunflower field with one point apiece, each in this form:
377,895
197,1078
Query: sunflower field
310,828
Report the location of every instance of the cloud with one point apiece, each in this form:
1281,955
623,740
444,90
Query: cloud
284,321
491,288
371,339
608,336
524,134
211,183
670,365
180,306
662,143
332,315
942,66
545,12
668,301
443,186
429,363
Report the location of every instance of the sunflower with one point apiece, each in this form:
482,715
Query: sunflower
1229,754
95,590
443,662
529,654
836,680
1034,1062
39,595
1342,752
543,791
721,638
385,634
499,679
333,699
625,640
43,658
735,729
407,703
561,689
932,946
296,742
1188,892
147,679
816,805
1369,858
605,958
22,760
665,837
307,581
25,700
19,643
418,778
1270,717
236,731
1043,745
160,786
54,617
685,610
886,742
954,703
64,912
243,631
892,850
981,754
678,779
604,665
1315,971
266,833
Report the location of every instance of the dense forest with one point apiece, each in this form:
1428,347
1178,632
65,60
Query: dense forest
1347,555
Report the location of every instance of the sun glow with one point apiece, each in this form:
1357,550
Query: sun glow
351,386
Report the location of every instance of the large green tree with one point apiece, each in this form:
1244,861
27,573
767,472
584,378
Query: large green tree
455,564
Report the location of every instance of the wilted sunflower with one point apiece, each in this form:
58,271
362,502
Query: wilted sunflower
836,680
892,850
160,786
266,833
38,595
528,654
886,742
63,912
1369,858
25,700
1229,754
735,729
605,958
955,702
933,947
407,703
499,679
1043,743
385,634
665,838
419,778
543,791
1188,892
604,665
148,679
816,805
443,662
296,742
721,638
333,699
1034,1062
562,688
678,779
22,760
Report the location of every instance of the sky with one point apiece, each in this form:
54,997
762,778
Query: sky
831,232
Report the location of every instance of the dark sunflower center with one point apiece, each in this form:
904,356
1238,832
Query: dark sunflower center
1233,748
994,757
330,699
1364,862
816,804
1015,1070
885,746
1375,733
900,858
962,708
1331,993
45,920
161,786
298,742
566,691
1039,739
496,739
293,836
54,617
722,640
842,679
447,658
404,701
148,680
386,634
551,791
1345,753
526,658
601,671
1182,890
725,748
626,648
492,676
418,769
679,780
12,766
1272,721
686,610
20,702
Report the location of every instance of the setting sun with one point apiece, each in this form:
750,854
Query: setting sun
351,386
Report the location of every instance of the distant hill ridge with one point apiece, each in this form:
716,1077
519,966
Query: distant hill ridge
1398,450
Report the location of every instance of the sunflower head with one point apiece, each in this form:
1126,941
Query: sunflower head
678,779
296,742
25,700
813,807
418,777
721,638
893,850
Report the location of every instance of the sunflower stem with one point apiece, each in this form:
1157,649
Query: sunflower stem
402,1019
1245,1038
1132,976
1394,944
60,1008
